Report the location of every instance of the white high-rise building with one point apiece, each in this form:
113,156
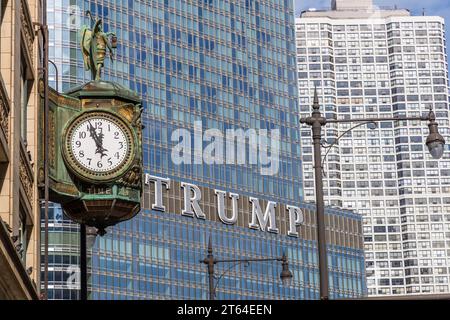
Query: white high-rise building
368,62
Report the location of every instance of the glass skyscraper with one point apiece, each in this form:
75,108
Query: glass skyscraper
368,62
224,65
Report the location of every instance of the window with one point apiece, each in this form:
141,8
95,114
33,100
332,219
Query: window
23,237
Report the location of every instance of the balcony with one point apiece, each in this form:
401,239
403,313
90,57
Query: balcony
4,123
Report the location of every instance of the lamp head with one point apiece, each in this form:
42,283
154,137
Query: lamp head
436,149
372,125
91,235
435,142
286,274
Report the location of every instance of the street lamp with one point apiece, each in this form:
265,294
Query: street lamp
88,236
286,274
210,261
435,143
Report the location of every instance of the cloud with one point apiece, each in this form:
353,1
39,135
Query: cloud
301,5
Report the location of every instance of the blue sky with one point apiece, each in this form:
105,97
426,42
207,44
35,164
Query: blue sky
432,7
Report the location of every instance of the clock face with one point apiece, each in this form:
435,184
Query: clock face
98,145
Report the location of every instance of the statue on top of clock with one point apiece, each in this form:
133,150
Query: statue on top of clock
94,44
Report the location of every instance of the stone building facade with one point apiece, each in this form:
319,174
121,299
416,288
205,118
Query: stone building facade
20,61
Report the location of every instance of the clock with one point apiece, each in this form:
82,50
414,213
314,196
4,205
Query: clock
98,146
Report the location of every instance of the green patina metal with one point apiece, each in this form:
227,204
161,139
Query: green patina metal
87,198
87,175
94,44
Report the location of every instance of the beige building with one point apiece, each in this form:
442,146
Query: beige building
19,203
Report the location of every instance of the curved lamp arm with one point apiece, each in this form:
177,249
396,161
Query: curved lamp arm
228,270
337,140
57,73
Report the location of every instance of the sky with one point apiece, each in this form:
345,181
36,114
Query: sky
432,7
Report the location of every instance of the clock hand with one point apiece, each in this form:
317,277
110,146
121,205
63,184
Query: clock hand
92,131
94,134
98,141
101,151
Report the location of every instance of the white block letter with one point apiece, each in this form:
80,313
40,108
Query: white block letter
296,218
269,216
192,195
221,207
158,204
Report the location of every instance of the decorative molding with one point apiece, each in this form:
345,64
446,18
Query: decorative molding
63,187
4,110
51,139
26,175
27,27
133,178
62,100
127,111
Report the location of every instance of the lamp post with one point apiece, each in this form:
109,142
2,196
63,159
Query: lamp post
435,143
87,241
210,261
43,28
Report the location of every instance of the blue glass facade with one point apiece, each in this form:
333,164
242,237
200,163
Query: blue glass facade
168,254
229,65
